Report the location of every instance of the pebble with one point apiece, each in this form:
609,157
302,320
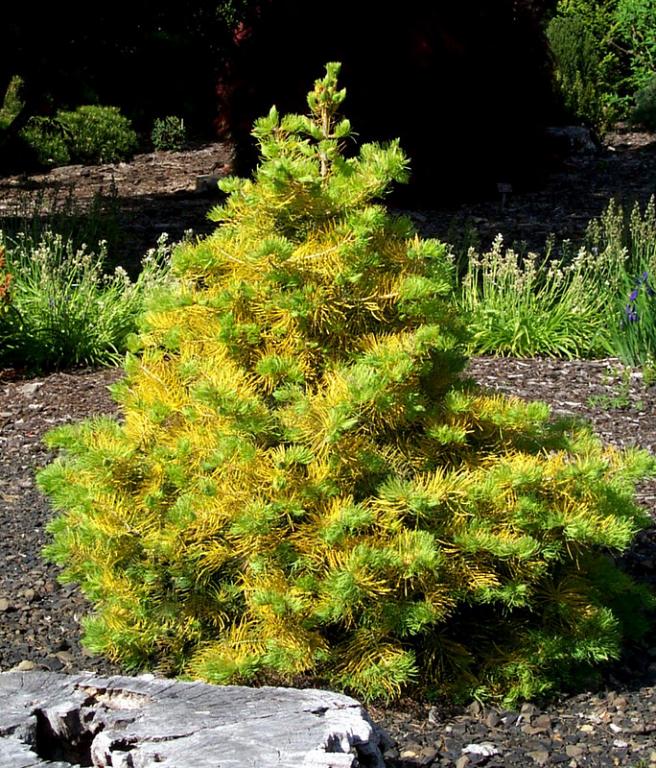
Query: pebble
5,605
30,388
24,666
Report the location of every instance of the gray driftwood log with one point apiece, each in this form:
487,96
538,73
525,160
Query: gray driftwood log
134,722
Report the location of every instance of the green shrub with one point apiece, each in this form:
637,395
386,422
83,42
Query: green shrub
644,112
601,93
576,56
168,133
636,24
98,134
12,102
46,136
303,484
62,311
90,134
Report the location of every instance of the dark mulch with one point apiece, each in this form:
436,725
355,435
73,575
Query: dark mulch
616,725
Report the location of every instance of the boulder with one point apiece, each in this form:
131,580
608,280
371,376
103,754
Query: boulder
132,722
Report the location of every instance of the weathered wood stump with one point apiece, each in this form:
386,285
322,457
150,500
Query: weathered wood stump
134,722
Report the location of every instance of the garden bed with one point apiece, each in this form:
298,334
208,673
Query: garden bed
40,626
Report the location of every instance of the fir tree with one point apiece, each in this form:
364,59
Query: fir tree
302,481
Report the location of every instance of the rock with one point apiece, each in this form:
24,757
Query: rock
5,605
24,666
492,719
487,749
540,756
139,721
574,750
29,389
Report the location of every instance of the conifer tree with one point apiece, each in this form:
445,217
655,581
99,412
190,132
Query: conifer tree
304,483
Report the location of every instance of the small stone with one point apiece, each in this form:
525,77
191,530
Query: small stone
615,728
486,748
492,719
574,750
29,389
5,605
587,728
28,594
433,715
411,752
541,722
426,756
540,756
24,666
619,744
528,710
462,762
475,709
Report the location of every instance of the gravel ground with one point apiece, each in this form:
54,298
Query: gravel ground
613,726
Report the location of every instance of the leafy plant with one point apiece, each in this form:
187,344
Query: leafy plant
98,134
630,243
527,307
302,483
576,55
46,137
90,134
636,22
168,133
595,66
12,102
64,311
620,381
644,112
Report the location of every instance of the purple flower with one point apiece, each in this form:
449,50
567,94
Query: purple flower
634,295
631,313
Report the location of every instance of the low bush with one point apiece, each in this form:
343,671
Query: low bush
644,112
302,483
48,141
12,102
531,306
98,134
59,309
576,56
89,134
168,133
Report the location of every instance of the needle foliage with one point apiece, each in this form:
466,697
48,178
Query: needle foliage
302,482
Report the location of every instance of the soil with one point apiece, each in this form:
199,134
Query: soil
40,619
